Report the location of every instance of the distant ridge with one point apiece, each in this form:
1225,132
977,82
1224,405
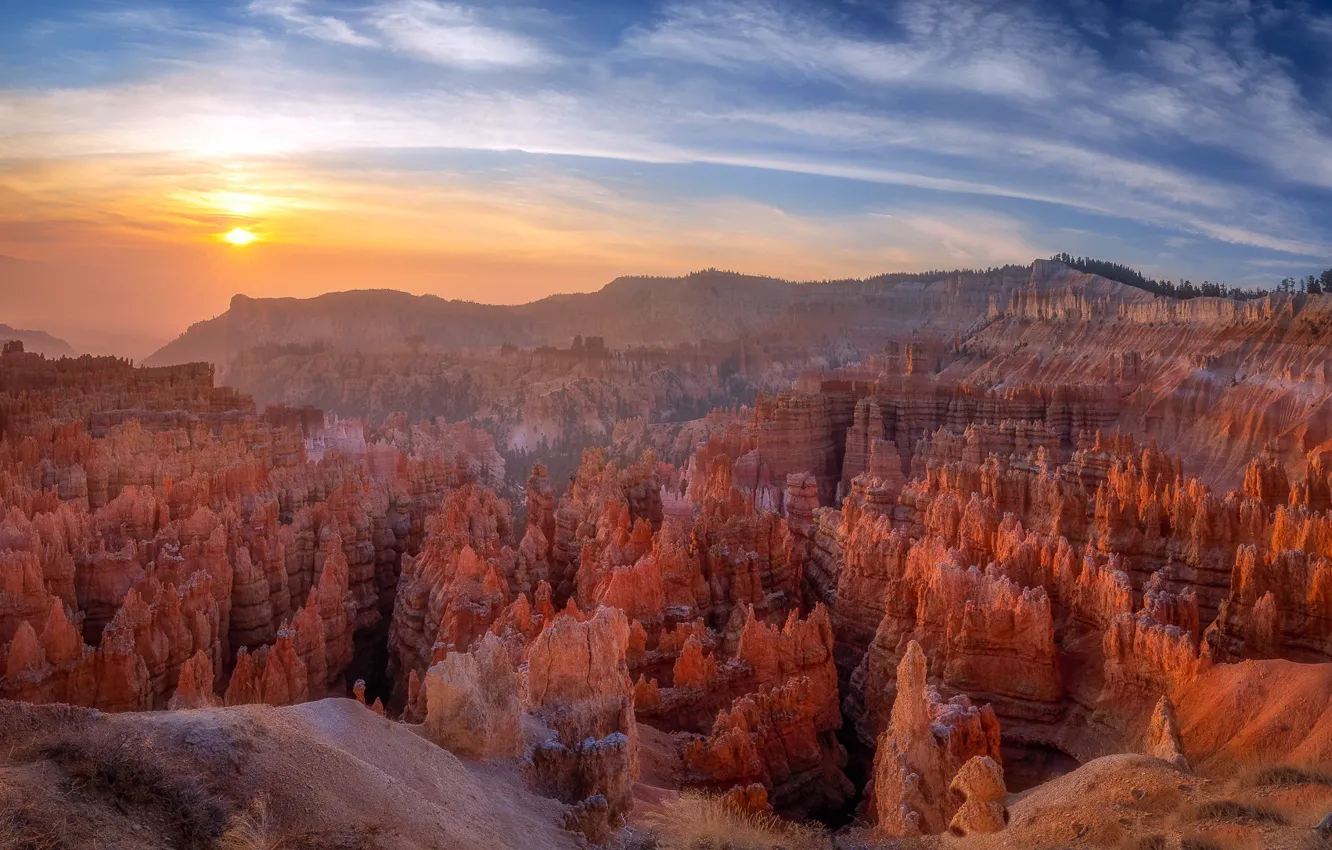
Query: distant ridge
36,341
627,311
709,305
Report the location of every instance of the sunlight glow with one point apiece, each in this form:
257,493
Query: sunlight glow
240,236
237,203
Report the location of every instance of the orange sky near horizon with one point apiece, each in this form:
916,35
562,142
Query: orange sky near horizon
505,151
138,244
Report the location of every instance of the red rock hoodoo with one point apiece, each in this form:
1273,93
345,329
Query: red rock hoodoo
1032,522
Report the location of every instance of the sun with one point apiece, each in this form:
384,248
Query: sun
240,236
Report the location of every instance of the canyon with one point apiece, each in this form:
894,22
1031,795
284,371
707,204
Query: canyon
1025,557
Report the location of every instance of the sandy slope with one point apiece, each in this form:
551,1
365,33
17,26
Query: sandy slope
1258,713
331,774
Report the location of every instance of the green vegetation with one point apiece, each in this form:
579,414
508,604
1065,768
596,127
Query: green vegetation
1183,289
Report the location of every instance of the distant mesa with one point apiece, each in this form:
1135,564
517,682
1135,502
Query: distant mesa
38,342
628,311
709,305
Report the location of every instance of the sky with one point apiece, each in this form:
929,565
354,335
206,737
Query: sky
504,151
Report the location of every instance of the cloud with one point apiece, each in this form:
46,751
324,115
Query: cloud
296,119
1212,82
981,48
450,34
323,27
437,32
1188,127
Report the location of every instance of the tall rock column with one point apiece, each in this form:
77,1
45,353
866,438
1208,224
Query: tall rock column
578,684
924,747
866,430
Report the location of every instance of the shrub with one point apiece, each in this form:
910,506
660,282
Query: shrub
131,775
1289,775
250,829
698,822
25,827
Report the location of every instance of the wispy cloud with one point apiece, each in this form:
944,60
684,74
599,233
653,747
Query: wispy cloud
442,33
296,14
1021,123
450,34
1031,98
985,49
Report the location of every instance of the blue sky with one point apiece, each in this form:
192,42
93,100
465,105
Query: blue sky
789,138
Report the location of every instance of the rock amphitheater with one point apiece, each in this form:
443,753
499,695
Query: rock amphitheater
1050,571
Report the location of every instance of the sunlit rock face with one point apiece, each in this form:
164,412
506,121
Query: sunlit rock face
473,702
189,536
921,752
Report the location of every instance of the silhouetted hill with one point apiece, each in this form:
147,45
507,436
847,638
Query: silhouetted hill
628,311
38,341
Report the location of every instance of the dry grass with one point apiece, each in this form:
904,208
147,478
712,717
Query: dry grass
1300,792
1261,805
133,778
1285,776
250,829
1238,811
698,822
253,829
104,781
360,837
25,827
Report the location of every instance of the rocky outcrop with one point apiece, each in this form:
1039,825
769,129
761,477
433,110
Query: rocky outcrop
336,612
766,715
472,703
772,738
980,784
273,675
1163,734
926,745
190,524
195,686
984,635
795,433
744,553
578,686
1279,605
1144,660
456,589
999,498
862,439
541,502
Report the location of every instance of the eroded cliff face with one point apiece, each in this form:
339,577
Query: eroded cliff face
190,538
1069,577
